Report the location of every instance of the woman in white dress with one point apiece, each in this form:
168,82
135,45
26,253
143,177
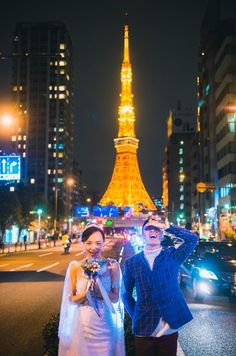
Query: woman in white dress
92,314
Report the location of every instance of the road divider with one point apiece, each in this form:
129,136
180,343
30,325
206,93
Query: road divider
47,267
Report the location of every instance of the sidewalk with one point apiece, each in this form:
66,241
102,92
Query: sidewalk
21,247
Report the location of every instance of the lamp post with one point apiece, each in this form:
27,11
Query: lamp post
70,225
70,183
39,212
201,188
55,208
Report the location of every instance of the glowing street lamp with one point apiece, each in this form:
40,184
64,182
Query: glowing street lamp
6,120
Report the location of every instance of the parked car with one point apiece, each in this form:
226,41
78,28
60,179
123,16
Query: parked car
211,270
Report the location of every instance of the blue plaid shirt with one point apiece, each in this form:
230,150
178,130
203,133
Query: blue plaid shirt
157,290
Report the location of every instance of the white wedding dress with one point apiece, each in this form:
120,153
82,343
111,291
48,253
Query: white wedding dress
82,332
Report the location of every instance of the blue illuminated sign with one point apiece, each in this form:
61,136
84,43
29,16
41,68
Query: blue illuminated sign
10,168
105,211
97,211
127,211
82,211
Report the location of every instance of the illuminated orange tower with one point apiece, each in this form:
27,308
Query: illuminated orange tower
126,187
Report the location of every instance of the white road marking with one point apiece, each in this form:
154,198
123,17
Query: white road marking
120,259
47,267
121,251
80,253
45,254
22,266
6,264
180,350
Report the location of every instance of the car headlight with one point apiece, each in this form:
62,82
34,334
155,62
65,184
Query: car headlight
204,273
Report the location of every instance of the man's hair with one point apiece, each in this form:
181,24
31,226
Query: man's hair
145,223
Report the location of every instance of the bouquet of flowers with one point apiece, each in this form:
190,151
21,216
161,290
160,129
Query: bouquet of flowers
93,266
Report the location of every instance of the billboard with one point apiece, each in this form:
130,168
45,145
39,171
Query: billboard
10,168
82,211
106,211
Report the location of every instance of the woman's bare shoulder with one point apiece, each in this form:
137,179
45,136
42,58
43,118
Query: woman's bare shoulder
74,266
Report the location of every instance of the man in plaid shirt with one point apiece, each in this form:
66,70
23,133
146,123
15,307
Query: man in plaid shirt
160,308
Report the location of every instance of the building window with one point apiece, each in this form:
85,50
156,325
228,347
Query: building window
62,63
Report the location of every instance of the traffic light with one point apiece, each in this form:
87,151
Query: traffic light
109,223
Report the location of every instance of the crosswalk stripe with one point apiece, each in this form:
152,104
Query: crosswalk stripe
45,254
47,267
6,264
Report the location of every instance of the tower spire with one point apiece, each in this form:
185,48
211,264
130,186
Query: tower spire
126,44
126,112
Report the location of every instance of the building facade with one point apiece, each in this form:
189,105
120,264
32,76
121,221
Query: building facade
177,176
217,119
43,92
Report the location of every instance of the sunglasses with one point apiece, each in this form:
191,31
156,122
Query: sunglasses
151,227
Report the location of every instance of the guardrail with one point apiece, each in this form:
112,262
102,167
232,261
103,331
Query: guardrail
21,246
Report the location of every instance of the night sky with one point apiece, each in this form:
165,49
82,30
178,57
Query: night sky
164,43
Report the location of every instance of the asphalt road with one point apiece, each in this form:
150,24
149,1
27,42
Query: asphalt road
30,292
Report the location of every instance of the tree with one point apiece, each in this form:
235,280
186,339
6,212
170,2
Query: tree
29,200
10,209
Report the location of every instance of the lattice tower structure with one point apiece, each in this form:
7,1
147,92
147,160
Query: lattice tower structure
126,187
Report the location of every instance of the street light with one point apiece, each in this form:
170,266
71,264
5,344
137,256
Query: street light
70,225
70,182
39,213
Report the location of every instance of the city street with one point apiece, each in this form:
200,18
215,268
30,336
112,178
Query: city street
31,292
